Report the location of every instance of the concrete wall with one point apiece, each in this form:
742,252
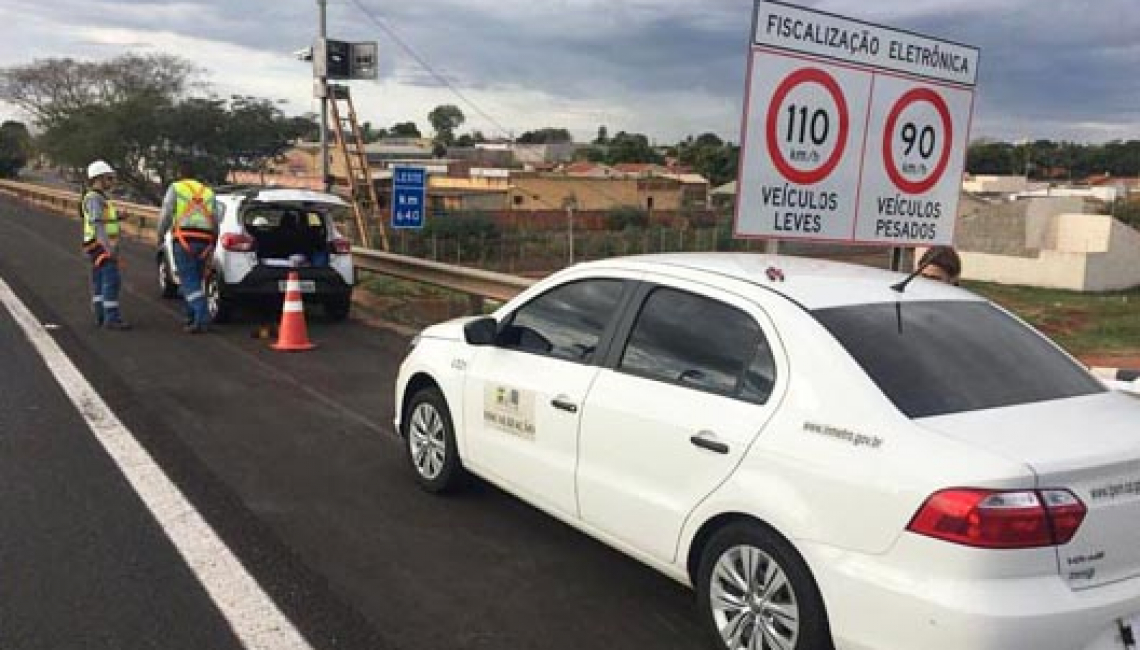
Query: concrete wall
1080,252
995,184
1014,228
1117,267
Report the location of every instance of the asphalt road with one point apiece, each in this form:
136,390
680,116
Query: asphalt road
82,564
292,461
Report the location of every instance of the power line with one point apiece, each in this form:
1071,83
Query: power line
427,66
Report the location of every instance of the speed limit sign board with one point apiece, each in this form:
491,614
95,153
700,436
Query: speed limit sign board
852,132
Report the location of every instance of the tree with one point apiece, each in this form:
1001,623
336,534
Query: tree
990,158
445,119
308,126
55,89
135,113
372,135
603,136
548,135
710,157
15,148
404,130
631,148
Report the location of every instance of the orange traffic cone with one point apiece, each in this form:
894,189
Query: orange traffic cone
293,336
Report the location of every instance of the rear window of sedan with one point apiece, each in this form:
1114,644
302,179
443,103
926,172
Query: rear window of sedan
939,357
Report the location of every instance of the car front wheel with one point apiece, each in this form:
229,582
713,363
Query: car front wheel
756,591
429,439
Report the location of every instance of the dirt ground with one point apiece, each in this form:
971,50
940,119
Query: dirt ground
1125,361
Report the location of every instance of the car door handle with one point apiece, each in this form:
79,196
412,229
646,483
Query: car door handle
707,440
564,404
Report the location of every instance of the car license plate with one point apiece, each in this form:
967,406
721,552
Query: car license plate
307,286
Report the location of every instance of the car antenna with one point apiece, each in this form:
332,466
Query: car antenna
901,286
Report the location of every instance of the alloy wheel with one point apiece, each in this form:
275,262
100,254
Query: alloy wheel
428,441
753,602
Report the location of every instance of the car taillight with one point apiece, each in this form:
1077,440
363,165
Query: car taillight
238,243
341,246
996,519
1066,511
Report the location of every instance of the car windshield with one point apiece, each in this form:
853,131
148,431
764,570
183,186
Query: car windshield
939,357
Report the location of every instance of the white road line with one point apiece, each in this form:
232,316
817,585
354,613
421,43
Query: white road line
251,614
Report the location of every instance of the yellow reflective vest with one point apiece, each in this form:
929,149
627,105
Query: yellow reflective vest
110,218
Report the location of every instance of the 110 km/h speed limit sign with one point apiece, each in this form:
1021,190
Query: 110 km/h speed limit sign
852,132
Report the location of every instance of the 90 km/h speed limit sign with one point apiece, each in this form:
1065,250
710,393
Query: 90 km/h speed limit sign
916,148
852,132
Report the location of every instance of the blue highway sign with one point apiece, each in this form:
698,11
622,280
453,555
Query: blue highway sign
409,197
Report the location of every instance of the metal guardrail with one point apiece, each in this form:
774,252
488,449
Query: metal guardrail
140,219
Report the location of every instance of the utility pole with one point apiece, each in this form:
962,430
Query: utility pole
322,83
570,202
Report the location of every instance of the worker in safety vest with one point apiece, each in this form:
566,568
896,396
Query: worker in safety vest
189,214
101,245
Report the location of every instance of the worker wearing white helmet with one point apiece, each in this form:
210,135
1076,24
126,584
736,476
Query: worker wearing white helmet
101,244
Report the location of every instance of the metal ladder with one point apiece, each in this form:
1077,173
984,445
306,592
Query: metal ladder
362,190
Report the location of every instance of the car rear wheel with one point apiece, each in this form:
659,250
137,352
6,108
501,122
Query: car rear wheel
756,591
216,304
429,439
166,279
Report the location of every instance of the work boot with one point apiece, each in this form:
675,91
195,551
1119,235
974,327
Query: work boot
120,325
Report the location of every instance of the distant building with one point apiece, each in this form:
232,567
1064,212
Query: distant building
550,191
537,154
584,169
724,195
1124,186
995,185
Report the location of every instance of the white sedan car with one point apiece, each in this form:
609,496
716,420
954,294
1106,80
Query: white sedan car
829,460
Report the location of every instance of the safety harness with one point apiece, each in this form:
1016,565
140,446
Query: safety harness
193,216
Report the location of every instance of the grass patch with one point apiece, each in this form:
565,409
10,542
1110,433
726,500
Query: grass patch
1082,323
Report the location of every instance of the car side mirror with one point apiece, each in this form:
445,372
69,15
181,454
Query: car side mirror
481,331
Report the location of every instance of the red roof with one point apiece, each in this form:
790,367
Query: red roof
636,168
1109,179
581,167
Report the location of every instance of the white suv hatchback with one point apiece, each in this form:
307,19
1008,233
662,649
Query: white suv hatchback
829,461
263,234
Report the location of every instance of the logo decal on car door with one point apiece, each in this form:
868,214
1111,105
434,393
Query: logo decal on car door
509,410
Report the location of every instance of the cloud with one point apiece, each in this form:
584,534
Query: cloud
665,67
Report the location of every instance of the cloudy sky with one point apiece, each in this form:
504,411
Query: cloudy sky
1062,69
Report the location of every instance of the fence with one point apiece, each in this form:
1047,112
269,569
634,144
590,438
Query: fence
532,252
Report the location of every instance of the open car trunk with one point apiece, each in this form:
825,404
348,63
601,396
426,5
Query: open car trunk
288,234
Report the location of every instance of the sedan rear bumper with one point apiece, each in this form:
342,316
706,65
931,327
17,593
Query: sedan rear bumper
880,603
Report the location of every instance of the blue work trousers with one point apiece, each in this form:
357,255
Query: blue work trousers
192,268
105,282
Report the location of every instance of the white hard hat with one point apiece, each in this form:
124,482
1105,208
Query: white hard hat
98,168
